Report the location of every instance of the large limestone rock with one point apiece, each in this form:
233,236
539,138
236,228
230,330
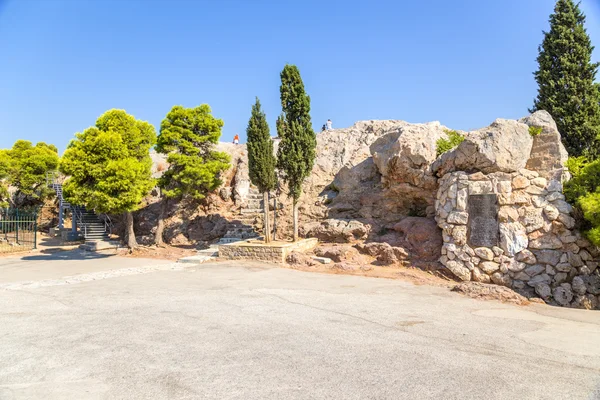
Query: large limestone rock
504,146
421,237
403,158
548,154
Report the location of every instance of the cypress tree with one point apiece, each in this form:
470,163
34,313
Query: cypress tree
296,153
261,161
566,80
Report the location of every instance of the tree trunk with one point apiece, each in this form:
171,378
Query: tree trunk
131,242
160,226
266,225
295,220
275,218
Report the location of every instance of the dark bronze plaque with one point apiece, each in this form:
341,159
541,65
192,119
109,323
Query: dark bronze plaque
483,220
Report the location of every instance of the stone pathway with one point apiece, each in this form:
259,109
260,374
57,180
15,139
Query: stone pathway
92,276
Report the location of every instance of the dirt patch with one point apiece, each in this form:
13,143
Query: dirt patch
170,253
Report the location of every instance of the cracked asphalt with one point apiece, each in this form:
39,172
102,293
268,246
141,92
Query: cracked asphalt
81,326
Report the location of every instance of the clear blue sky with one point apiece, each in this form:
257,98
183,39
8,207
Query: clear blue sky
464,63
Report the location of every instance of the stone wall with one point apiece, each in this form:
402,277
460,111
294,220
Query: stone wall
522,236
252,250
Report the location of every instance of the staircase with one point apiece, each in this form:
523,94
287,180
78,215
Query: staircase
90,225
250,219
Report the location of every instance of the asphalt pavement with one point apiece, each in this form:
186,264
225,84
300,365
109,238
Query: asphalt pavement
83,326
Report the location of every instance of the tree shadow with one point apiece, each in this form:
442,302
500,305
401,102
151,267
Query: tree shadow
70,255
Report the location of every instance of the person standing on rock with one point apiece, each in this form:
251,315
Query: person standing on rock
329,125
236,139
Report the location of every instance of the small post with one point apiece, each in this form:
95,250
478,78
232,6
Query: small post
35,230
73,222
17,227
60,214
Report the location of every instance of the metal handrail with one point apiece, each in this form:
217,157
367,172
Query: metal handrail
108,224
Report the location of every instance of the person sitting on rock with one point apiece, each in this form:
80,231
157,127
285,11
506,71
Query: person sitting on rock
236,139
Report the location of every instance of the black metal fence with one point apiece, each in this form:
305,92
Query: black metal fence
18,230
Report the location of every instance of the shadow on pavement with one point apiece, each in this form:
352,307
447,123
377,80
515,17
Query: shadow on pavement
67,255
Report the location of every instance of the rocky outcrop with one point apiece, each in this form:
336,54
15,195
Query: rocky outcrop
513,227
504,146
548,154
336,230
421,237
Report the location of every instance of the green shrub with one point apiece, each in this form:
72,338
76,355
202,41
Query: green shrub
535,130
443,145
583,191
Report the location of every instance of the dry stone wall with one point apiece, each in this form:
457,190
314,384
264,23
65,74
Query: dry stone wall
516,230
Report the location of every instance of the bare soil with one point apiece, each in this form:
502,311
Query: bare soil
171,253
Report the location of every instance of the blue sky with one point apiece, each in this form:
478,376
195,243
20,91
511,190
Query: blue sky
464,63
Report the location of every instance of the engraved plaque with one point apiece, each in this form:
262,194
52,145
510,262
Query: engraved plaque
483,220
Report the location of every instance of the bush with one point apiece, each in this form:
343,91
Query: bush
535,130
443,145
583,192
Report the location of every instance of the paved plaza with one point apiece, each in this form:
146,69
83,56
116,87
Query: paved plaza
79,325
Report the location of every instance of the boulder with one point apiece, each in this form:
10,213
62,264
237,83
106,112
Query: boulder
385,253
484,291
336,230
548,155
504,146
337,253
403,157
421,237
297,259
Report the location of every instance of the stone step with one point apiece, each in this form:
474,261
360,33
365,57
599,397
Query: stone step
96,245
252,211
199,259
225,240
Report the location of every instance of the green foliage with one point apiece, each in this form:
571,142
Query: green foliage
188,136
583,191
25,166
535,130
109,164
443,145
261,161
566,80
296,153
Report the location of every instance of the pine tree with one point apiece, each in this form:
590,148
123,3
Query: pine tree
25,167
188,137
261,161
109,166
566,81
296,153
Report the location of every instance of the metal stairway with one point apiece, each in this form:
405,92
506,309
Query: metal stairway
90,225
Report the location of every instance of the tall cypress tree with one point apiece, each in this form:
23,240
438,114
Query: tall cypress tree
296,153
566,80
261,161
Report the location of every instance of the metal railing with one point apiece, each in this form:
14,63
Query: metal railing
18,230
108,224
